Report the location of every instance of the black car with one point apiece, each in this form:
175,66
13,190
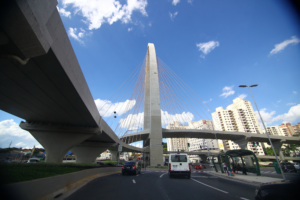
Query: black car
131,167
288,167
278,190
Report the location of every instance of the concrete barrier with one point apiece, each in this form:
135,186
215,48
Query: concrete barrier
53,187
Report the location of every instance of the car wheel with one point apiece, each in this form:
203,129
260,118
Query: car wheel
189,176
170,175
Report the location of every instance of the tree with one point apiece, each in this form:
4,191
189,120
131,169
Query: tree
269,151
165,146
290,148
182,150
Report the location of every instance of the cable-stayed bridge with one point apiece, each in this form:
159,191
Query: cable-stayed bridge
41,82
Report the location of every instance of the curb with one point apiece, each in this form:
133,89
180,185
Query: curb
254,183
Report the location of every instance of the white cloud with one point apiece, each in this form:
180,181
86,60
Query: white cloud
130,29
207,47
290,104
243,96
285,43
11,132
136,121
181,118
72,33
132,122
174,2
149,24
227,91
190,1
294,92
293,115
97,12
137,144
208,101
267,117
279,101
107,108
63,12
172,16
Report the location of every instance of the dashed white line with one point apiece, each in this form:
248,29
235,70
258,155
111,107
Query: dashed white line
210,186
162,175
133,181
244,198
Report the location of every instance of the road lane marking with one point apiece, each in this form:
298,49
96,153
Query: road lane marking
162,175
210,186
133,181
244,198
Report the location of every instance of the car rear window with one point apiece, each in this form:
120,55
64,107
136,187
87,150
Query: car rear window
130,163
178,158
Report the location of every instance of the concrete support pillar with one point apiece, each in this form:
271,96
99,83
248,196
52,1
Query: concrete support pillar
114,155
203,158
277,145
243,142
57,140
87,154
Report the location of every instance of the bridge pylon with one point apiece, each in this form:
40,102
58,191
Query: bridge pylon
152,110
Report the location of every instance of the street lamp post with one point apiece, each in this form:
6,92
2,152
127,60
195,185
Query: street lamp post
254,85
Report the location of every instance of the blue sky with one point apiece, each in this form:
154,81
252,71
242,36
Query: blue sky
213,46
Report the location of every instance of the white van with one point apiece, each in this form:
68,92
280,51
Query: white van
179,165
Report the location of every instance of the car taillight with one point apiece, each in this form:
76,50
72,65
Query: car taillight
134,167
190,166
169,165
122,167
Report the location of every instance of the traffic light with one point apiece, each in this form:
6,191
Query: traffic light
257,143
253,143
188,144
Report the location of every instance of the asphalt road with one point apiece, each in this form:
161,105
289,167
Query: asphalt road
158,185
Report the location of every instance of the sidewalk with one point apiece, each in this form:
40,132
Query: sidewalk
250,178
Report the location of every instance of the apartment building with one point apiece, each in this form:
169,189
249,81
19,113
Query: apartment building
276,130
289,129
197,144
177,144
238,117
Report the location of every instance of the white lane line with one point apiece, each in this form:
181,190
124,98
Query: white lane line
244,198
162,175
133,181
210,186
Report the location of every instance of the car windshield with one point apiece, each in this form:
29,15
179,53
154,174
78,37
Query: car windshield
130,163
178,158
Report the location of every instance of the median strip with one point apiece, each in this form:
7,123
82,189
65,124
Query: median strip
210,186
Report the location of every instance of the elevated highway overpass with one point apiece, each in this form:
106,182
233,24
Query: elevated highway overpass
41,81
241,138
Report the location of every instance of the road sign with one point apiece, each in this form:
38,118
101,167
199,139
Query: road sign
120,148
